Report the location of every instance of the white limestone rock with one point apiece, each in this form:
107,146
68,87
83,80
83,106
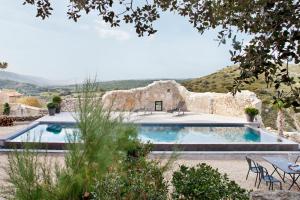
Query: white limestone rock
171,93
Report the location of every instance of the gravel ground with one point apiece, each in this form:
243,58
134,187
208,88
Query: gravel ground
5,131
235,169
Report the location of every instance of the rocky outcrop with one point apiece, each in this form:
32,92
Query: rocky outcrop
171,93
275,195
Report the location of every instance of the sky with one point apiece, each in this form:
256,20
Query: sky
60,49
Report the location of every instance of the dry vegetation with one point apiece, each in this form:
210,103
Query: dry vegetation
221,81
30,101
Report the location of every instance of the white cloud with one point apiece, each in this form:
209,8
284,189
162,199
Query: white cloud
105,31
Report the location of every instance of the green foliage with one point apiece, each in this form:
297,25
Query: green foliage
29,175
6,109
274,26
3,65
51,105
103,150
136,178
224,85
204,182
56,99
105,142
280,104
251,111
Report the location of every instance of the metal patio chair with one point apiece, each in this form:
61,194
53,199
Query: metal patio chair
269,179
180,109
253,168
297,159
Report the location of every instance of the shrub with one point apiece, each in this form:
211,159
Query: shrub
51,105
31,179
204,182
206,83
56,99
6,109
6,121
251,111
137,178
30,101
104,143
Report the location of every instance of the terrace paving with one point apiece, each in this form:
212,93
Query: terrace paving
156,117
231,163
235,167
6,131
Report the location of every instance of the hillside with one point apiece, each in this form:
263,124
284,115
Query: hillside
221,81
24,88
126,84
123,84
5,75
37,90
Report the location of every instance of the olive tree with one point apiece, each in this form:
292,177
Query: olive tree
272,24
3,65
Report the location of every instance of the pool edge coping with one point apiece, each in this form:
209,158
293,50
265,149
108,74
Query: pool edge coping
7,140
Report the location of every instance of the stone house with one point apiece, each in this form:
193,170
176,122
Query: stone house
9,96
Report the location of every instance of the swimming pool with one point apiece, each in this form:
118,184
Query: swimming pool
193,137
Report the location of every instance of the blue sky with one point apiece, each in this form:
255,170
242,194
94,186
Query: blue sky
60,49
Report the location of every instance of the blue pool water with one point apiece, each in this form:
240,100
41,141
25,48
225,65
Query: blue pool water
47,133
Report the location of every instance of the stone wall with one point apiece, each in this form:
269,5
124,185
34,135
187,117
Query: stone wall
69,104
171,93
22,110
144,98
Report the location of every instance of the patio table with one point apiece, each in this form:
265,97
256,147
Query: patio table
282,164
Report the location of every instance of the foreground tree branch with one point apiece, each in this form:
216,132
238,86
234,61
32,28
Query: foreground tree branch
273,24
3,65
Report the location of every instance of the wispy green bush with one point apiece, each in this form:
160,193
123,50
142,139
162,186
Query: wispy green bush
103,150
30,176
105,142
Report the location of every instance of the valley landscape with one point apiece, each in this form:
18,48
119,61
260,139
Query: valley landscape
220,82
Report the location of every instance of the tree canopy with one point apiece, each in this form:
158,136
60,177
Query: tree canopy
3,65
273,24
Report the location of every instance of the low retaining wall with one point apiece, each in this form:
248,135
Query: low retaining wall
23,110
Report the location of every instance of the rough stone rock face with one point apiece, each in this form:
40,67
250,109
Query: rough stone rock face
171,93
275,195
68,105
144,98
22,110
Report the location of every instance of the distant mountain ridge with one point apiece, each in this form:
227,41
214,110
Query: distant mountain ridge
128,84
43,82
35,80
33,85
